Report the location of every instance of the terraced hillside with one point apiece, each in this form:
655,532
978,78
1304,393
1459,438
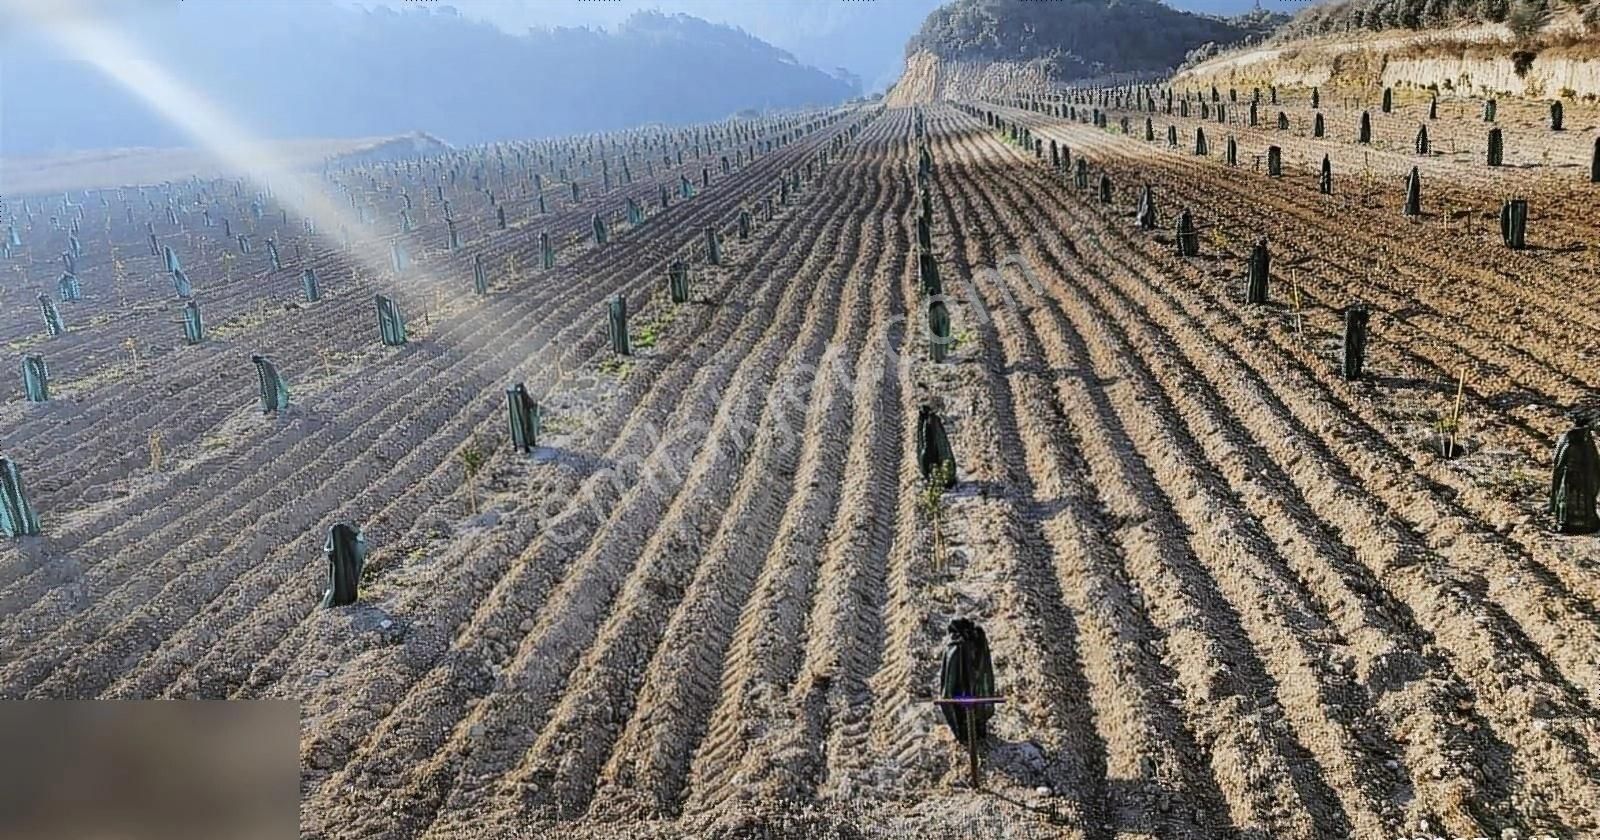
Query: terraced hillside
1229,592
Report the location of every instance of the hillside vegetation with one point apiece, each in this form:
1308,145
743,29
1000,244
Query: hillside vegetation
1078,39
1524,18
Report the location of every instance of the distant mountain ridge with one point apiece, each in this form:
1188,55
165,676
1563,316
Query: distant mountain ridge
332,71
1079,39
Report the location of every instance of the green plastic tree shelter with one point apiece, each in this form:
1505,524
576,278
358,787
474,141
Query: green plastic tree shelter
52,316
17,518
1146,215
194,328
68,287
934,457
525,419
617,326
391,325
967,671
1514,223
678,281
274,393
713,246
1105,188
1274,161
1188,237
310,289
599,225
1497,147
1201,148
397,258
181,284
547,254
928,273
744,225
1256,285
480,278
1325,179
1365,135
938,330
1355,340
35,378
1319,128
1413,193
1422,145
1575,482
346,550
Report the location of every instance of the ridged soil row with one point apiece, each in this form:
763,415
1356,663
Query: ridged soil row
1551,568
572,604
1479,309
324,260
1152,756
1316,558
1149,757
1011,578
877,446
1439,601
1520,289
649,758
1305,684
1309,678
653,552
364,482
1555,605
837,646
892,752
1544,282
331,749
409,506
433,713
1200,538
418,429
690,334
439,615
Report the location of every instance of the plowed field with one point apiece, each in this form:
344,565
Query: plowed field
1229,593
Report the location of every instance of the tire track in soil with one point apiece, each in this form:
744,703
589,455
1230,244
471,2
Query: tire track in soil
830,683
645,773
